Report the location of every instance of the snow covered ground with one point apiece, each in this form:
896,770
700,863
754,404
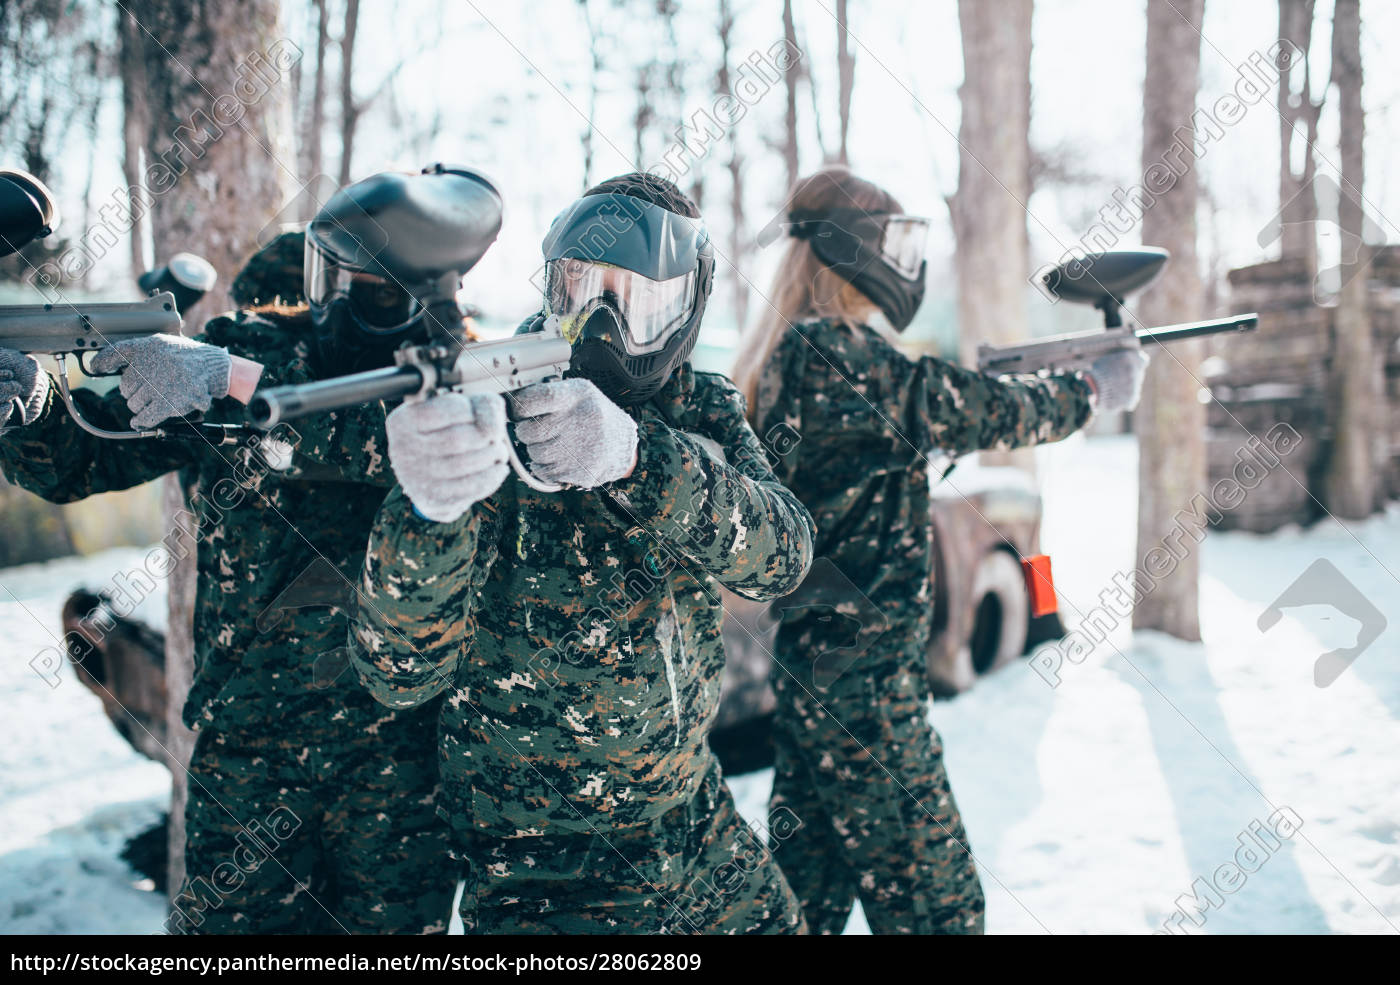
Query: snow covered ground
1092,806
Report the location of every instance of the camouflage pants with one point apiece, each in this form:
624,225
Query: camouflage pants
321,824
699,869
862,768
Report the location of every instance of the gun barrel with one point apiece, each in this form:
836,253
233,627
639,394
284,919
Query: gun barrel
1192,329
284,403
53,328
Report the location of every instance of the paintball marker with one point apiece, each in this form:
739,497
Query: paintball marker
423,236
1103,280
498,366
61,329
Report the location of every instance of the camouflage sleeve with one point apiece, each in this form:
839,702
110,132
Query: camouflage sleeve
414,616
961,410
59,461
934,404
349,445
725,512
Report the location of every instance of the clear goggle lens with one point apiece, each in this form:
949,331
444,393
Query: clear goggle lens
380,306
650,308
903,243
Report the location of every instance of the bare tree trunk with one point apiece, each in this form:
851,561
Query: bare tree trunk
179,676
989,209
1171,421
642,118
1298,116
227,183
790,80
814,94
349,109
738,241
135,125
594,70
1351,484
314,136
846,72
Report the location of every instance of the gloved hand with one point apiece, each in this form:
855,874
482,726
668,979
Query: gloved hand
1117,378
166,376
23,387
449,452
575,434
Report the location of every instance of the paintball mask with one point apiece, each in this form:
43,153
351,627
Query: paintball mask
878,253
27,211
383,251
628,281
187,276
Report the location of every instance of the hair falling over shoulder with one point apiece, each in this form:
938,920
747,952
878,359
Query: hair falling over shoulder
804,287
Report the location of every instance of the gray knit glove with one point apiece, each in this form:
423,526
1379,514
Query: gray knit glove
449,452
166,376
23,387
574,433
1117,378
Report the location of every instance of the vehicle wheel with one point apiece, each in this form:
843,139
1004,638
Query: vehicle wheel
1000,614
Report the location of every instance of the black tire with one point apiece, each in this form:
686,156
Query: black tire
1001,615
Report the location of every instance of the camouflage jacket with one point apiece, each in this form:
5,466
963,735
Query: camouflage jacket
577,634
850,422
269,541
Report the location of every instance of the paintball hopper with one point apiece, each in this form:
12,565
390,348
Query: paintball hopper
186,276
1105,279
411,229
27,211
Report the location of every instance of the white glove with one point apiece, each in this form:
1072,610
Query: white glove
1117,378
449,452
166,376
23,387
574,434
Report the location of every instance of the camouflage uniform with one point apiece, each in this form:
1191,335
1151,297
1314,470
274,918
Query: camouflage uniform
856,757
273,275
576,635
281,731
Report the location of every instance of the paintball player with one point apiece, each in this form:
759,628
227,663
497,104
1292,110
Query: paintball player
321,797
576,633
856,757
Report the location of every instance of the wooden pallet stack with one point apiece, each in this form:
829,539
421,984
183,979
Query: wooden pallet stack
1280,374
1276,374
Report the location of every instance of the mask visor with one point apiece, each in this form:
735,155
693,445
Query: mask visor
379,306
650,310
903,244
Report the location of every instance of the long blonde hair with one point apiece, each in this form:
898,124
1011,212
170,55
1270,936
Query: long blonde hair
804,287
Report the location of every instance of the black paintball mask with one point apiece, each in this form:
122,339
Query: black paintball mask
187,276
628,281
384,254
879,253
27,211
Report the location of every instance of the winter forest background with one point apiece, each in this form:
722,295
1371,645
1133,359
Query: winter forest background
1017,126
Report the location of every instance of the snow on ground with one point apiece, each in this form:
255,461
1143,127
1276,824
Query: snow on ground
71,790
1092,806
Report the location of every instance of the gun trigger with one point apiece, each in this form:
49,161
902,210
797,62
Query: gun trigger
84,366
